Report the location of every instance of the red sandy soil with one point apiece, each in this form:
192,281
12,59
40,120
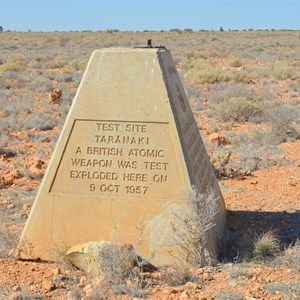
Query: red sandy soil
269,199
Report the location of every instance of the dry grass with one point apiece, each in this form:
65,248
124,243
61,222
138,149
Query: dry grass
8,242
191,226
289,257
121,272
266,245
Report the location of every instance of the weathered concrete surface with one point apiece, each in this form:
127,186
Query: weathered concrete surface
129,149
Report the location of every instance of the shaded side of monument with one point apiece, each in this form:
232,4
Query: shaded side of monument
128,152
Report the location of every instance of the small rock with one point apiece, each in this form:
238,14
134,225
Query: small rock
82,280
37,168
88,290
175,290
57,271
192,286
9,176
255,291
155,290
259,280
293,181
184,295
204,297
87,256
32,288
251,81
24,216
25,206
217,138
16,288
128,282
48,285
205,276
55,96
7,179
16,173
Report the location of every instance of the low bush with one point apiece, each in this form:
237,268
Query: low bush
265,245
234,62
290,256
190,228
284,70
283,122
202,71
40,84
15,62
239,109
8,242
58,61
42,121
228,294
119,276
286,290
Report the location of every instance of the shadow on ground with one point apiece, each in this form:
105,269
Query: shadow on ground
244,226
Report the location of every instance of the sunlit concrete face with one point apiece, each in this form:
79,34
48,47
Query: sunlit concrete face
130,150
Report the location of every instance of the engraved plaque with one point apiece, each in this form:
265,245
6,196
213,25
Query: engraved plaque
118,158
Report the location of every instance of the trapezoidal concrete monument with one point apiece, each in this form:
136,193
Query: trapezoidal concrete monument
129,149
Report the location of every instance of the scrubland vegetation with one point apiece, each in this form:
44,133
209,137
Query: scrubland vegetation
244,89
231,77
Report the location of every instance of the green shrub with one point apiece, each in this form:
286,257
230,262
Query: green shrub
15,62
59,61
201,70
188,30
234,62
239,108
176,30
79,65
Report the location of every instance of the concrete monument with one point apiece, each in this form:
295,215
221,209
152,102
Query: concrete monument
129,149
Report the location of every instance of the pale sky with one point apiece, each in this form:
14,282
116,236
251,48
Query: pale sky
67,15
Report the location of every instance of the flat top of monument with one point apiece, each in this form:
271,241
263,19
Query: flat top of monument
128,50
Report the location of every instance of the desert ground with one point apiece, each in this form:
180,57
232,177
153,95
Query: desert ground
244,90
